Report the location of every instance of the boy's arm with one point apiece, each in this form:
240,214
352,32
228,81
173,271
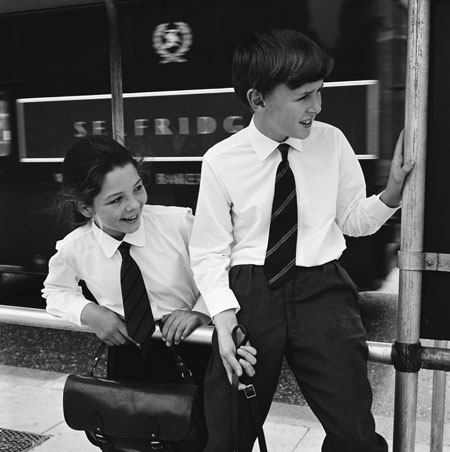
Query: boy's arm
210,243
210,249
392,195
356,214
185,225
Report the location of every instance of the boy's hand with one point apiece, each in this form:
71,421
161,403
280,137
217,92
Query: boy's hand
397,174
179,324
247,360
106,324
225,322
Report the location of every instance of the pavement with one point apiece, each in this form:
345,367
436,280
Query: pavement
32,402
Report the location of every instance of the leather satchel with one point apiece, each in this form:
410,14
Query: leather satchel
136,416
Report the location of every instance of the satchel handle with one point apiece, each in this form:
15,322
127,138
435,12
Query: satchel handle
250,394
98,355
182,367
238,342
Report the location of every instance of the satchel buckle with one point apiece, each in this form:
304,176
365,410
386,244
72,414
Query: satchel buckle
100,438
186,373
250,391
155,443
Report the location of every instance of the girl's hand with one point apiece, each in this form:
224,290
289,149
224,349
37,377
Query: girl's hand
106,324
179,324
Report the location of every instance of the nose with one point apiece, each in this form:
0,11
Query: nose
315,106
133,203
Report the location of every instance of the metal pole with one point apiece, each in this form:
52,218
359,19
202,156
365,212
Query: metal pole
115,63
408,328
438,406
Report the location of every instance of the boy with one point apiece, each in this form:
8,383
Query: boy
264,251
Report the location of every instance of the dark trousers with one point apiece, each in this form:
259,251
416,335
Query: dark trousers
313,321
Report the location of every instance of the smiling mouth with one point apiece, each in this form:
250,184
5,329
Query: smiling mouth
306,123
133,218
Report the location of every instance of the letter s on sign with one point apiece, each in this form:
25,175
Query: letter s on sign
80,129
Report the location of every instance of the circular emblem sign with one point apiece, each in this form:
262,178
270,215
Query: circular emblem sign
171,41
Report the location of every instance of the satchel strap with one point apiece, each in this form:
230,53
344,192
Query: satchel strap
96,427
98,355
250,394
182,367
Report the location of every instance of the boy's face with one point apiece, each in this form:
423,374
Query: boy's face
117,208
287,112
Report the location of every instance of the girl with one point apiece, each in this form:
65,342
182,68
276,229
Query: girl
104,196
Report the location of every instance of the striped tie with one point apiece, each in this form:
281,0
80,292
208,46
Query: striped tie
279,265
138,314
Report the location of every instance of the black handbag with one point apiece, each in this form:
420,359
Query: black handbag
136,416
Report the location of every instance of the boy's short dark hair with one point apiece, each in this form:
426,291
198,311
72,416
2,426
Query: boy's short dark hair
267,59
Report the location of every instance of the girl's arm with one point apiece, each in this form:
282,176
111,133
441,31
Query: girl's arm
63,295
65,299
106,324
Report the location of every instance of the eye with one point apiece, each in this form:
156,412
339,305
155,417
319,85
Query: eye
139,187
115,200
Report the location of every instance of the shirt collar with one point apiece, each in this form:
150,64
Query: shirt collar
264,146
109,244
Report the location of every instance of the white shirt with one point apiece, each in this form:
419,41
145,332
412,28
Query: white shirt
232,219
159,247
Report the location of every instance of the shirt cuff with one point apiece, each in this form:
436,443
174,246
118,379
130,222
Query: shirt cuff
381,209
221,300
200,306
74,313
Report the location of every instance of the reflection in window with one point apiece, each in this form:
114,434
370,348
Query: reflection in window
5,129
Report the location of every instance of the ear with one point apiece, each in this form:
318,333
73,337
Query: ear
84,209
255,99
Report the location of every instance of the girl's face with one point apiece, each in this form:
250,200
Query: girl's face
117,208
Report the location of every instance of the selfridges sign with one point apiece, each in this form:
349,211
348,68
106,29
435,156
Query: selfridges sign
180,125
200,125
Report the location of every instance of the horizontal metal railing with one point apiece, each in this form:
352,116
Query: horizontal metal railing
41,318
379,352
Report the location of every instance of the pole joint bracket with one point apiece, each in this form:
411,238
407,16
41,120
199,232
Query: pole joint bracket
407,357
422,261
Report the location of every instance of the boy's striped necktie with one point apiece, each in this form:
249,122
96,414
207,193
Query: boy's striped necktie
138,313
279,265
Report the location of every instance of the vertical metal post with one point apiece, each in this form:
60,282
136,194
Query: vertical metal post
408,328
115,63
438,406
